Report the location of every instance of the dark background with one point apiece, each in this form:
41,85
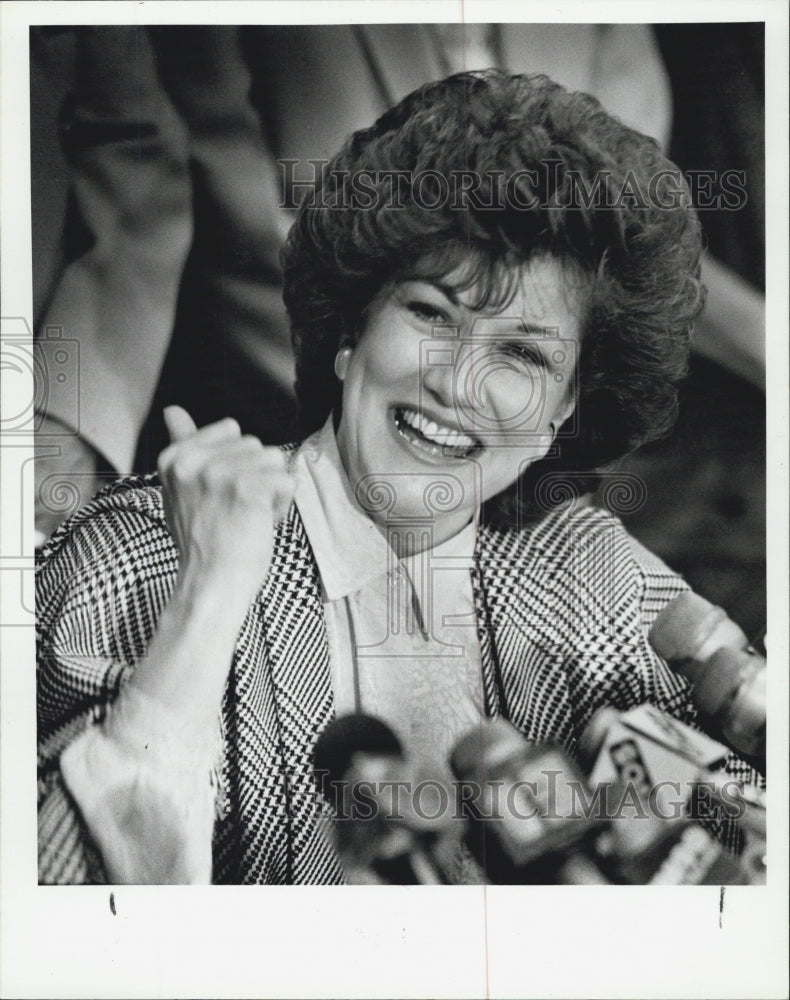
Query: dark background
705,511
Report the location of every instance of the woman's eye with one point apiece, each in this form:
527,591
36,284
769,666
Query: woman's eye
523,350
427,312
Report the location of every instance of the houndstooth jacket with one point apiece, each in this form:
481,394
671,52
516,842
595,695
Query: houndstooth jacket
563,609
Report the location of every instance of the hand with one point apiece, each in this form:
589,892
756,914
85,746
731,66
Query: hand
223,495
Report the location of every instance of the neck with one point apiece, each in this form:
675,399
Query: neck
408,537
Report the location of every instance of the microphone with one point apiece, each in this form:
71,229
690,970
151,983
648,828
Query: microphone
362,772
727,677
522,806
750,800
659,774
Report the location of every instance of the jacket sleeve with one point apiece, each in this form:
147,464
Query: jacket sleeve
614,588
619,587
101,584
656,586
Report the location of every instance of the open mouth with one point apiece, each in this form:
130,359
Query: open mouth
432,438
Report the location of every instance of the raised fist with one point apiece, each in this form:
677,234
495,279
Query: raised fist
223,494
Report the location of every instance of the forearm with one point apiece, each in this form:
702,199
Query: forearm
114,636
142,780
187,663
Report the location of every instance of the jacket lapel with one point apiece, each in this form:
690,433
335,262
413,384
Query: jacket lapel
520,577
302,692
283,701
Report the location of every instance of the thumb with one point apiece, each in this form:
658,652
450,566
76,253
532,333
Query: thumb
179,423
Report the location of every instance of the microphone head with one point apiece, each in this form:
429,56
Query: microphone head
676,626
521,802
342,740
363,773
691,628
485,748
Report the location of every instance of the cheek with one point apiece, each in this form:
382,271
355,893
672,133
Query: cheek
516,400
392,348
366,360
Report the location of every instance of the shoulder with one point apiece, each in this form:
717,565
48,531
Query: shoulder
127,514
581,531
101,584
581,550
129,498
578,591
116,545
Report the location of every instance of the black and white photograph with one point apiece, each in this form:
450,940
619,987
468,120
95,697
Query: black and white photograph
394,549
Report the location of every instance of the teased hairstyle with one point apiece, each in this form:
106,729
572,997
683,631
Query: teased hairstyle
600,197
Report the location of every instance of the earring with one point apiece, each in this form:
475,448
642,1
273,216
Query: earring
342,359
553,428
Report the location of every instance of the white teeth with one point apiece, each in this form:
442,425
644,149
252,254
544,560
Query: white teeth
429,429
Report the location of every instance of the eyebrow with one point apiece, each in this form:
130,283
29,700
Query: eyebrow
535,329
447,290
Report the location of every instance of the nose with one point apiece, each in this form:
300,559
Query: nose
439,374
484,389
456,380
457,376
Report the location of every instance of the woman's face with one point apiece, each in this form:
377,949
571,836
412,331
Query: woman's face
445,406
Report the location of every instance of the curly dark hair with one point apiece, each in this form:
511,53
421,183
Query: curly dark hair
579,185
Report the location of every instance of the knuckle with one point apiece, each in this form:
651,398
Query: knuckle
211,475
274,458
229,426
186,466
251,446
180,469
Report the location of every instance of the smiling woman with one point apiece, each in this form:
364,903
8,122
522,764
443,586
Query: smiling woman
198,632
434,384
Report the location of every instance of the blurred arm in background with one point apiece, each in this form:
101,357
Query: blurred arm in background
111,162
731,330
717,72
